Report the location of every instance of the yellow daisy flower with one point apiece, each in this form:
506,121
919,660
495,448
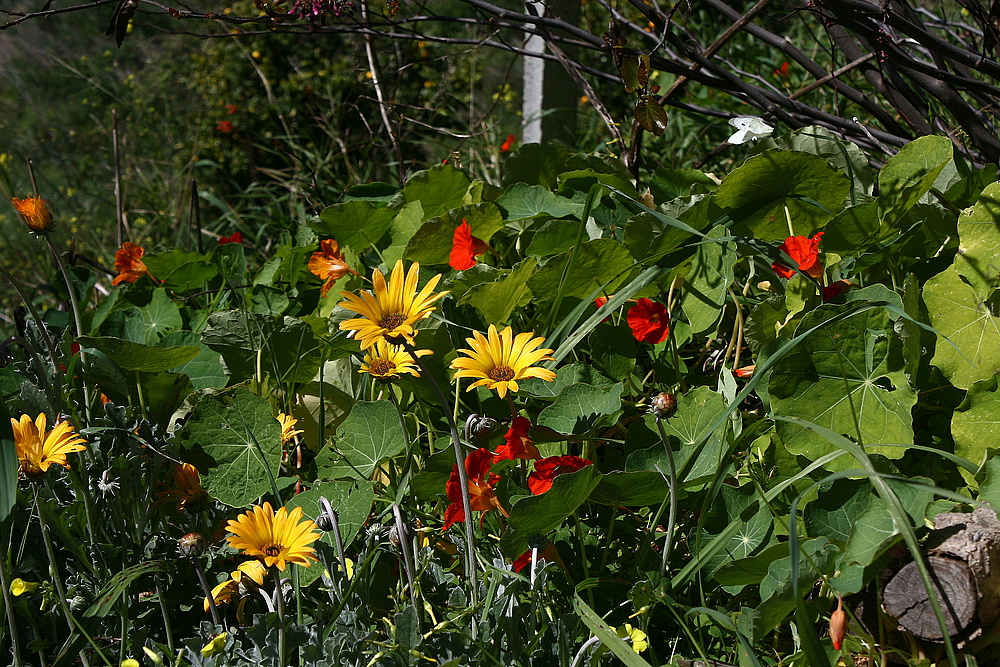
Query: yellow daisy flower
37,450
386,362
392,311
499,360
288,430
276,539
252,570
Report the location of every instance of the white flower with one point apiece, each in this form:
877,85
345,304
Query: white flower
749,128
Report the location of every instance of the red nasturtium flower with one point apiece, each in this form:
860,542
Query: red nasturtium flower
548,469
518,445
745,371
524,560
782,70
329,264
805,252
649,320
465,247
481,495
835,289
508,143
236,237
129,264
225,126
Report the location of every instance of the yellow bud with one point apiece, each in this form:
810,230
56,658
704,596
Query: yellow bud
19,587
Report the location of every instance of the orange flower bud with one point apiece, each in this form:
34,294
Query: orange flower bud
838,625
35,213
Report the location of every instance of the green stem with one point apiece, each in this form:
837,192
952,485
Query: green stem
8,605
280,605
76,317
54,569
463,478
583,557
668,541
163,611
208,590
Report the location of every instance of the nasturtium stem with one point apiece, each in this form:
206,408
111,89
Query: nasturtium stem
9,610
668,541
76,315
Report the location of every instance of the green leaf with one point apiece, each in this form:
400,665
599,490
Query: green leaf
137,357
498,299
438,189
837,508
234,440
284,347
843,155
634,489
552,238
666,184
596,262
962,300
181,270
160,316
875,530
757,193
205,370
706,284
401,230
521,201
650,114
816,558
9,464
232,262
607,634
119,584
369,435
163,392
647,235
752,570
613,350
358,225
567,375
536,164
975,425
989,489
578,406
538,515
909,174
432,242
630,73
847,377
351,500
757,524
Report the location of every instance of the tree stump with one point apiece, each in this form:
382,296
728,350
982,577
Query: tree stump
962,554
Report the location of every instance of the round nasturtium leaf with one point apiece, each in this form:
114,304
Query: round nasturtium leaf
758,193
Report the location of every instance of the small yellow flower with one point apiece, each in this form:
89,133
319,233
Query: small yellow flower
392,311
288,430
386,362
19,587
153,656
217,643
35,212
37,450
499,360
635,636
275,538
130,662
247,572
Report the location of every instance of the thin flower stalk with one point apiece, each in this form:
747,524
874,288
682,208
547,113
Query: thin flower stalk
668,541
9,604
463,479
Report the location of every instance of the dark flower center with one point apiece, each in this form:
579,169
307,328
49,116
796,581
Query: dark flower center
272,550
502,374
392,320
383,367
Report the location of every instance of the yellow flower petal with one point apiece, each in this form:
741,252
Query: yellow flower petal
499,359
37,450
276,538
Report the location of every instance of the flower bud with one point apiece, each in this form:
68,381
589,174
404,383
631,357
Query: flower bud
35,213
192,545
838,625
663,405
19,587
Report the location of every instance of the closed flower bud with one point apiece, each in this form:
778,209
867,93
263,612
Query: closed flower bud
838,625
192,545
663,405
35,213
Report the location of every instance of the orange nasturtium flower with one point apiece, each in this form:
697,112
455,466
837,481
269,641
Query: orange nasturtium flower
548,469
518,445
481,495
508,143
499,360
187,491
329,264
805,252
275,538
129,264
465,247
391,312
38,449
387,362
649,321
35,213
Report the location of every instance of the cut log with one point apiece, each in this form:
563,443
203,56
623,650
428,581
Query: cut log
963,558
